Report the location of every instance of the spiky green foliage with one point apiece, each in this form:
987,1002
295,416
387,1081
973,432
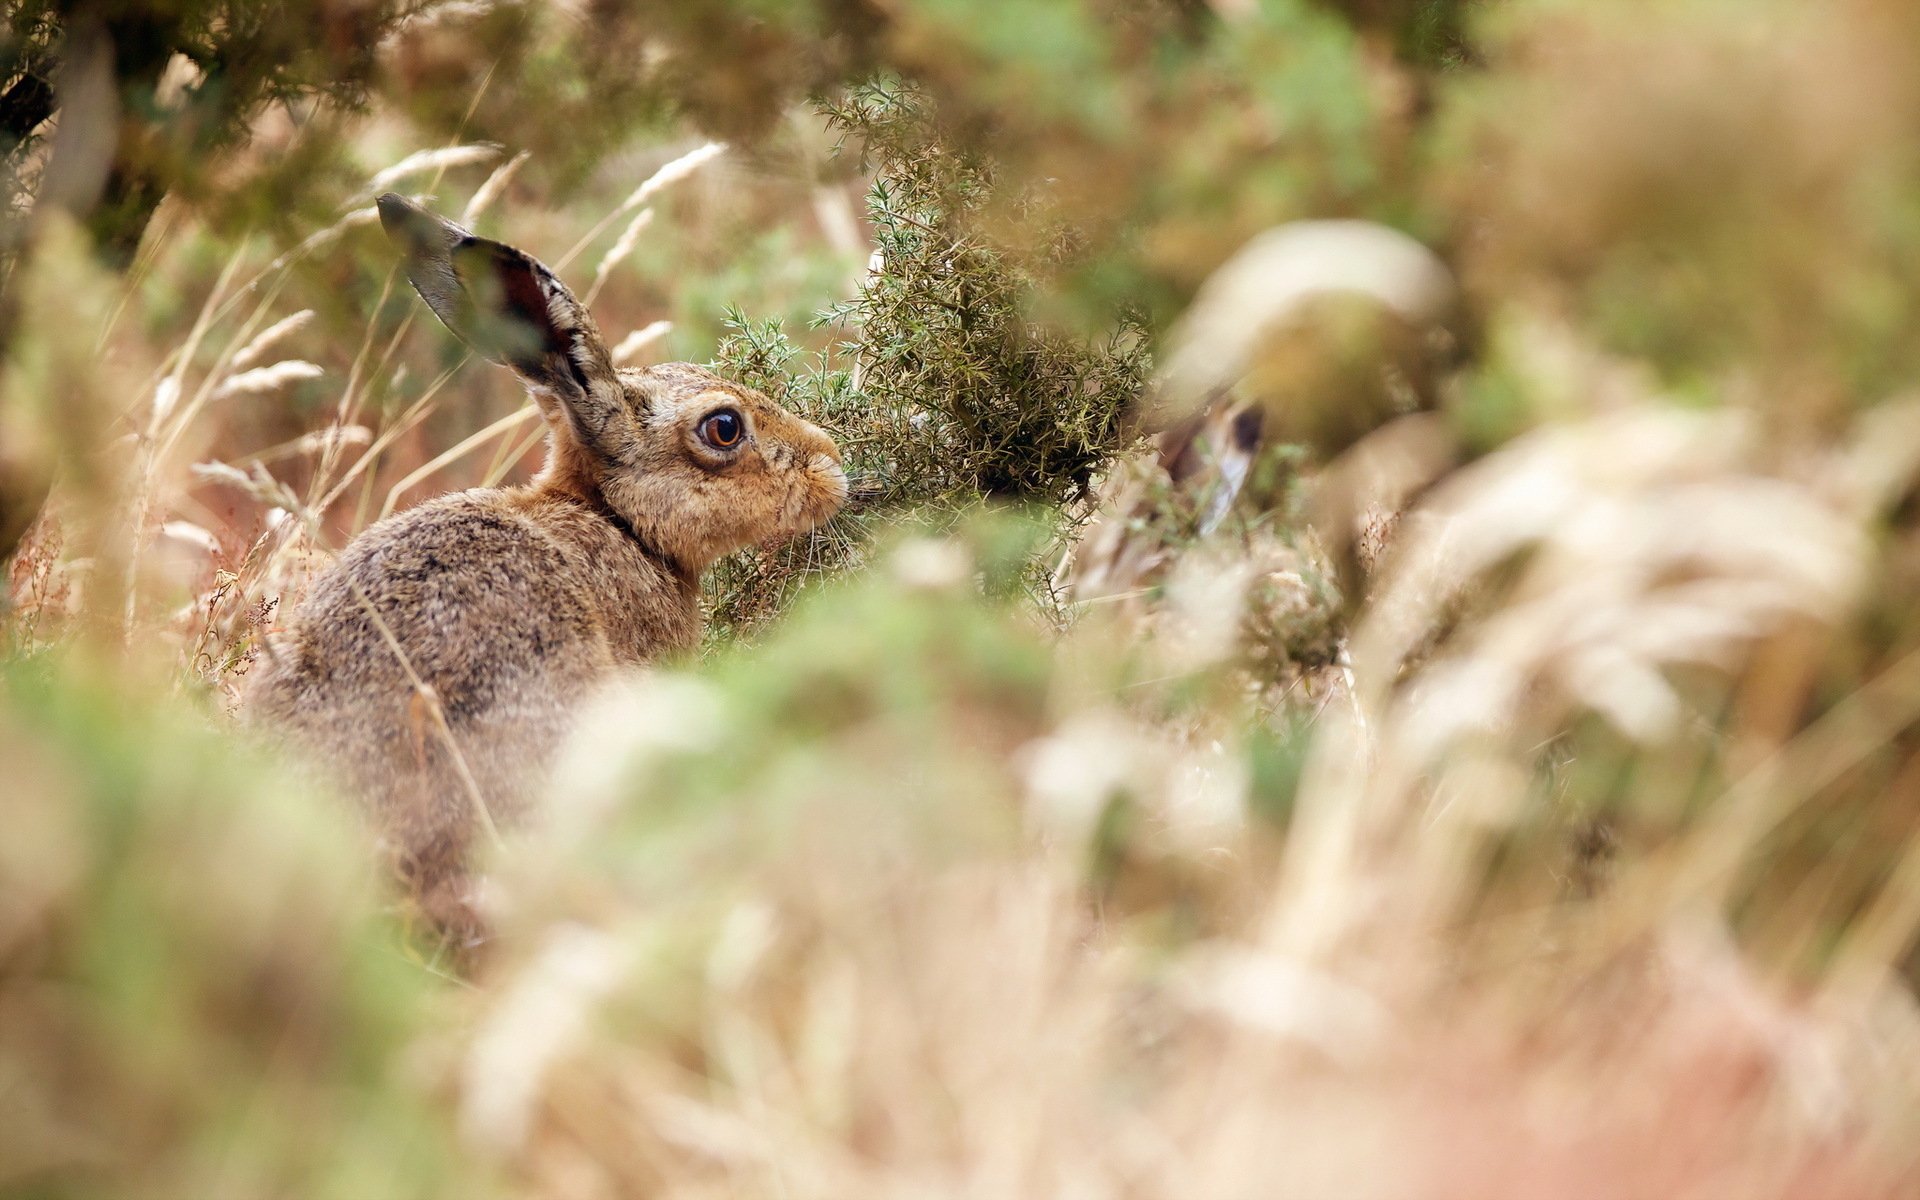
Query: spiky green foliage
945,331
153,93
943,384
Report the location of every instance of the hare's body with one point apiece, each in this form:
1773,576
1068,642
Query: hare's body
509,606
438,663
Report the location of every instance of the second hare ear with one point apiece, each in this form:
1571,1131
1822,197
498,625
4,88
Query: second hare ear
510,308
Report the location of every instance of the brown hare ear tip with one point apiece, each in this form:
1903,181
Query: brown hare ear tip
396,211
412,227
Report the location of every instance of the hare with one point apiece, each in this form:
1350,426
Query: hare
435,665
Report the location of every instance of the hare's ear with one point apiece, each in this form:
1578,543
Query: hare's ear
510,308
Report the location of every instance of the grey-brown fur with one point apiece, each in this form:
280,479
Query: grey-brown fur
509,604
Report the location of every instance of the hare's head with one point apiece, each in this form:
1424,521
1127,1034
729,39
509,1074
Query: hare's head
695,465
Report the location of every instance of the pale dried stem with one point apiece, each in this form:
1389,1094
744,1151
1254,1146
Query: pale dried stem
312,443
673,172
256,349
639,340
495,184
1877,939
271,378
148,254
348,407
414,414
1696,874
454,454
437,160
629,238
152,451
183,415
497,470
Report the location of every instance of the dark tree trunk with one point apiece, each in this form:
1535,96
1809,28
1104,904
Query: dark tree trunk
143,44
23,107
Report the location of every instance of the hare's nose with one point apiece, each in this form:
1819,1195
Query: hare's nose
824,444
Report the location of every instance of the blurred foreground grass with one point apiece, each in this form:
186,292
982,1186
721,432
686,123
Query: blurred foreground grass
1471,752
199,996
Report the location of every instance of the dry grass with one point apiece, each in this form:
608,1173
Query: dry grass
261,520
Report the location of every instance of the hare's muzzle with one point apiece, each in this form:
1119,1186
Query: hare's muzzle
822,456
825,466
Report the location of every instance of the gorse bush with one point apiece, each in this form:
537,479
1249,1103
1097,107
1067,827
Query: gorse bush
941,384
944,330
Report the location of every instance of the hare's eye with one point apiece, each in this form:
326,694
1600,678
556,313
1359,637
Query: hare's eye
723,429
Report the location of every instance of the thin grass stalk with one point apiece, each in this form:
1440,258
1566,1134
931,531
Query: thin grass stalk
438,159
499,468
414,414
454,454
151,452
1875,941
431,699
629,238
673,172
346,408
351,396
407,420
1695,874
283,264
491,190
639,340
148,254
363,504
210,382
256,349
500,452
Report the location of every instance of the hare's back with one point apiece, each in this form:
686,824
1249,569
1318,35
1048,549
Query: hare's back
476,596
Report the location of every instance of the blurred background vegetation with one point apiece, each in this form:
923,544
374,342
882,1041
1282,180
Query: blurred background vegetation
1377,658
